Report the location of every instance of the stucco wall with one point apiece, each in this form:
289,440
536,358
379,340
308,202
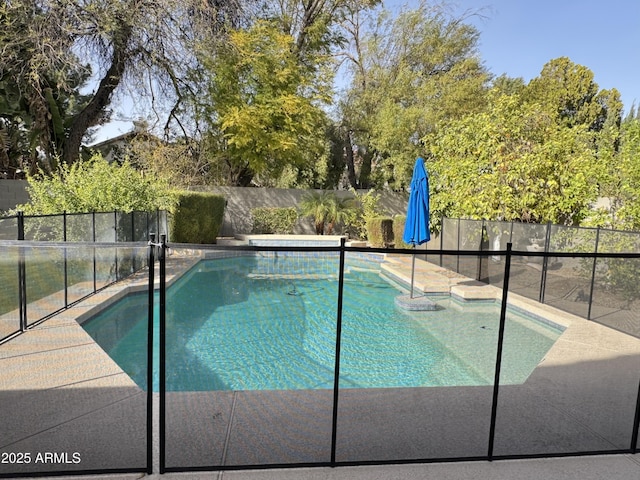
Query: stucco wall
240,201
12,193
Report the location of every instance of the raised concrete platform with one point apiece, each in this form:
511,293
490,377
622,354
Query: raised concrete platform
477,291
291,240
430,279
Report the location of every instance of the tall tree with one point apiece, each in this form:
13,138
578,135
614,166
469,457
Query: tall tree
40,77
625,174
269,86
539,152
50,46
264,105
315,25
410,73
514,161
568,91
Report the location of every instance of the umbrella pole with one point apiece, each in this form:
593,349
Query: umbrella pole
413,270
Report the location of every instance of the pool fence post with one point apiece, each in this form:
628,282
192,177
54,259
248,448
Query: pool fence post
133,225
22,273
66,274
458,248
151,261
636,425
20,219
545,263
441,238
336,375
163,349
593,274
482,273
115,240
95,281
496,381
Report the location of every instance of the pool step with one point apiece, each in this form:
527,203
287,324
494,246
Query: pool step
434,280
476,291
423,281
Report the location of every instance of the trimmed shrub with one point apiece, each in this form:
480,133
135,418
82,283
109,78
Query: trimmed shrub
398,231
366,208
197,218
380,231
274,220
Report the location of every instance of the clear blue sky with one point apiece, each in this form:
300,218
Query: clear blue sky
519,36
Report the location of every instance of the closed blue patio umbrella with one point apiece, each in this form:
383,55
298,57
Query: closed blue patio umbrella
416,228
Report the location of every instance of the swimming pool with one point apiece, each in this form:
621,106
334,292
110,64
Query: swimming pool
268,322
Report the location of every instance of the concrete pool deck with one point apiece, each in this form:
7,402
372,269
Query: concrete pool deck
56,384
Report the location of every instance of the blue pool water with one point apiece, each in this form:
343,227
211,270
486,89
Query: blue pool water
258,324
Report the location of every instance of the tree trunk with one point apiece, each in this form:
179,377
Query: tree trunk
312,9
239,176
5,162
351,167
365,171
91,114
39,111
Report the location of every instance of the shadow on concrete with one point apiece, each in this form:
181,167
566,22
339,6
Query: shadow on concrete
565,409
80,427
580,407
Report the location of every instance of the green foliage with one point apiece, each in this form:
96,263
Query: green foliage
614,277
619,275
412,73
398,231
326,210
95,185
380,231
513,162
567,91
341,211
182,163
317,205
264,105
197,218
274,220
366,207
626,178
39,86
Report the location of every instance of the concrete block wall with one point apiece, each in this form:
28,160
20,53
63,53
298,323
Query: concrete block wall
12,193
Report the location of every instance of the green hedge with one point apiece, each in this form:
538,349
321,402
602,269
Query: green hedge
398,231
274,220
197,218
380,231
